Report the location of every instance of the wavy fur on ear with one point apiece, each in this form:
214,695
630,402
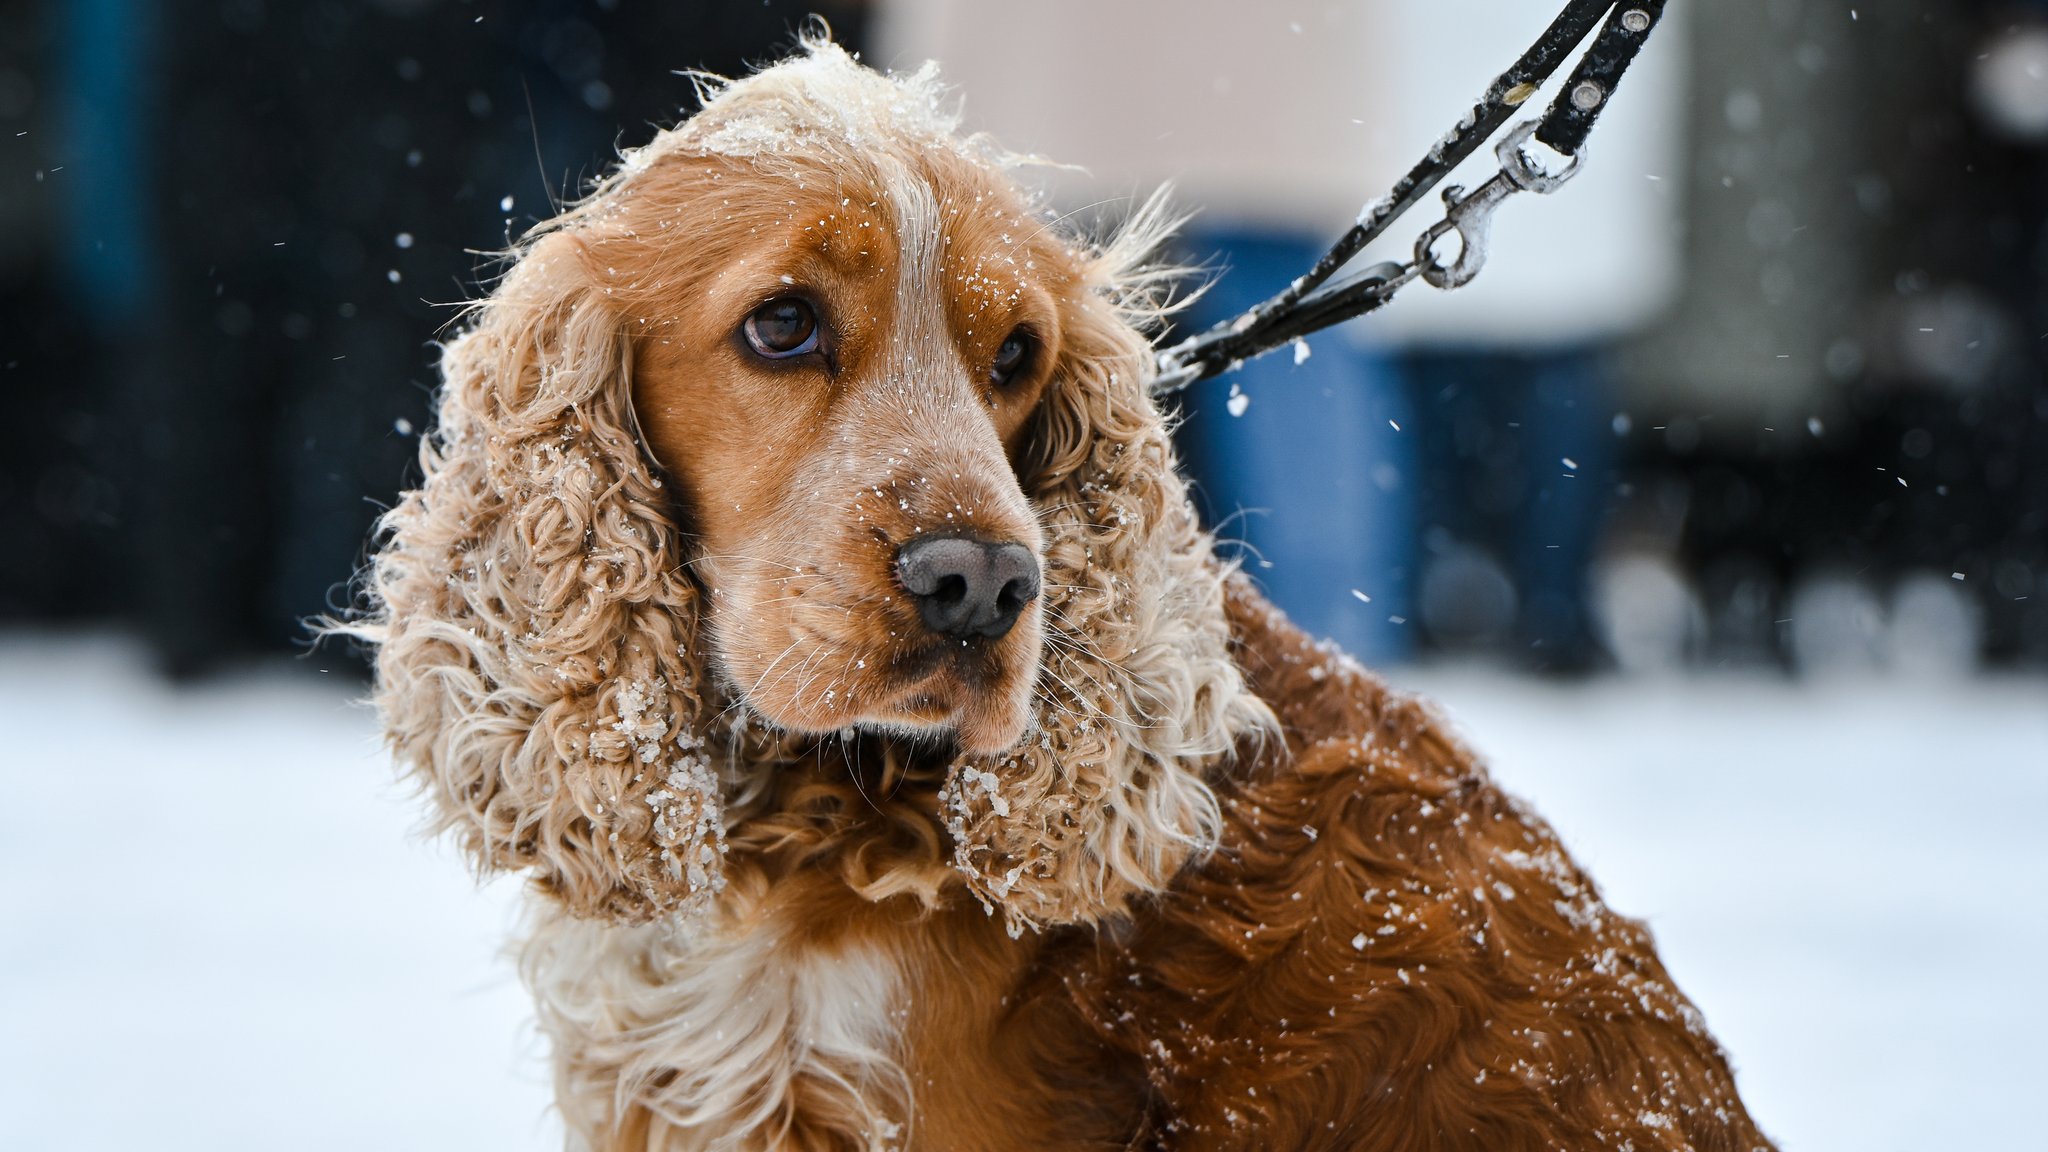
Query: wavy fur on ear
1108,797
535,633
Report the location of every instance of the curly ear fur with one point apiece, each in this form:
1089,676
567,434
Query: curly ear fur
1108,797
535,632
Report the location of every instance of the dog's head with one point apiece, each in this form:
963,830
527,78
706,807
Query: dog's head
809,415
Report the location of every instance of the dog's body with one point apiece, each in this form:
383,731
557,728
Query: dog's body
1386,952
800,586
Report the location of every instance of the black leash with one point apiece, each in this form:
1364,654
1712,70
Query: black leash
1307,306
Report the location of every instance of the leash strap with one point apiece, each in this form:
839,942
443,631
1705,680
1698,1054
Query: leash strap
1311,303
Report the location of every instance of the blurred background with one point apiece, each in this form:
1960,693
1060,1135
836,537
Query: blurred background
1716,509
1788,328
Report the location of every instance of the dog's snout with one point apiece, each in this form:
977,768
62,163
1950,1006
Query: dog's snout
968,587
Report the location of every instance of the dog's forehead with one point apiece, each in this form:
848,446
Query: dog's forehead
978,238
993,242
856,151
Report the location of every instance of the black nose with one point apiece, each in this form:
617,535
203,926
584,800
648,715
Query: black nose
966,587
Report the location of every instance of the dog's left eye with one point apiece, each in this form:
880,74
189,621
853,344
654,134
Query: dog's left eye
781,329
1011,358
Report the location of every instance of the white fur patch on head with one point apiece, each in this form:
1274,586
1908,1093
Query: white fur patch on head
921,346
823,100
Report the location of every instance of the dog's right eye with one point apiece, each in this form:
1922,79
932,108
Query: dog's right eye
781,329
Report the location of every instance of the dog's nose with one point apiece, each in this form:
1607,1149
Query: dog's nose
967,587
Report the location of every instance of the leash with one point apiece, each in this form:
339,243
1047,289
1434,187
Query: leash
1307,305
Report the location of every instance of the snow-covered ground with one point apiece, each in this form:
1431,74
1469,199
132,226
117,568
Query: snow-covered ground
216,931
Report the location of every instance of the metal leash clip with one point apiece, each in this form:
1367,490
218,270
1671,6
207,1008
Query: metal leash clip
1312,303
1471,215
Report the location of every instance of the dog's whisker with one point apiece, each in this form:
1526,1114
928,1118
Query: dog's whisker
795,670
852,763
1086,653
754,692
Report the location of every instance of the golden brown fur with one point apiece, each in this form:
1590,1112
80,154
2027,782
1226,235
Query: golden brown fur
1148,870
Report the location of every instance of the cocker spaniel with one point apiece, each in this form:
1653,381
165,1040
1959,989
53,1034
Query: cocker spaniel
801,590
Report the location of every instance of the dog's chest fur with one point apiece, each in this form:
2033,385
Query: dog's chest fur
722,1035
779,1027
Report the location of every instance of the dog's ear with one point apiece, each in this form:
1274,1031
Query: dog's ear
536,632
1139,698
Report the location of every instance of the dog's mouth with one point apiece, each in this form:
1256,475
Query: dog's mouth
965,689
879,671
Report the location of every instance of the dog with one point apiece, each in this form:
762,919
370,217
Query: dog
801,591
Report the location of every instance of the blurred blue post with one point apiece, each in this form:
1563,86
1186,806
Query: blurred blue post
107,154
1566,414
1312,481
1517,463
